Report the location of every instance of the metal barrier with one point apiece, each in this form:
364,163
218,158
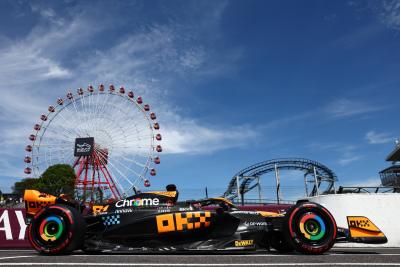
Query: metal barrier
367,189
252,201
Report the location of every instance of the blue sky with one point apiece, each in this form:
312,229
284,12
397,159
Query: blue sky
233,82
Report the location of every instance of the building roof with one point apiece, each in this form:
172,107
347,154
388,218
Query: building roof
394,155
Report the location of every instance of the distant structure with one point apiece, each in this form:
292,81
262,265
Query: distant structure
318,179
391,175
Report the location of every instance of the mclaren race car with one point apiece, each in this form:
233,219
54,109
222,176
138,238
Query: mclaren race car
155,222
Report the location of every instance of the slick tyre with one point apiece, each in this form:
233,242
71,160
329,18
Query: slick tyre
310,228
57,229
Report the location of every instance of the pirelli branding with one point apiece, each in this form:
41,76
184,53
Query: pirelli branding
182,221
244,243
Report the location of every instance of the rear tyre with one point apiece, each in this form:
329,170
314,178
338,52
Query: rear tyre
57,229
310,228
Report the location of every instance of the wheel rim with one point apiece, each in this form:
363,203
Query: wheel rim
51,228
312,226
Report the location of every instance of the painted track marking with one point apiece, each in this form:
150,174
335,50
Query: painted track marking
17,250
14,257
202,264
179,255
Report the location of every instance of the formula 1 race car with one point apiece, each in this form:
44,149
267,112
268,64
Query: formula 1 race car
155,222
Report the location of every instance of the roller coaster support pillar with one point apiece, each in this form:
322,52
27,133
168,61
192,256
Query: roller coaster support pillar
316,181
259,188
334,187
278,184
239,194
305,184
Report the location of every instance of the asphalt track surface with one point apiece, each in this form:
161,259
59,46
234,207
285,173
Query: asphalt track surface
336,257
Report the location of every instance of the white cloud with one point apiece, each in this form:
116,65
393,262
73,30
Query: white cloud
345,108
346,153
386,11
192,59
378,138
288,121
358,37
139,57
22,64
389,13
315,146
347,159
34,72
47,13
56,71
189,137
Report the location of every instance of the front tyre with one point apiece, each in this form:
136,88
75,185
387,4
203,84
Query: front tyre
58,229
310,228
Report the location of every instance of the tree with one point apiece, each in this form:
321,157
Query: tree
27,183
57,179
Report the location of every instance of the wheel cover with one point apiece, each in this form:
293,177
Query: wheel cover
312,226
51,228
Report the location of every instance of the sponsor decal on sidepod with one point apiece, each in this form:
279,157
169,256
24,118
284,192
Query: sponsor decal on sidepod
244,243
137,202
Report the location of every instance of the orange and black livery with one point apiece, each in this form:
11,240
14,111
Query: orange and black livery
157,222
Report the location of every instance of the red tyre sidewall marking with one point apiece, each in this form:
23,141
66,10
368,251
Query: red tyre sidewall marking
30,238
333,222
290,222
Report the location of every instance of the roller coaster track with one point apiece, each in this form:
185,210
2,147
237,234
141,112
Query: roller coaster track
248,178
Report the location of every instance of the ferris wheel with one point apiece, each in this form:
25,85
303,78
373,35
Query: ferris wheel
109,136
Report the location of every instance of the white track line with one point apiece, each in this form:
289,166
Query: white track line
210,255
332,250
202,264
234,255
187,255
364,248
16,250
15,257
